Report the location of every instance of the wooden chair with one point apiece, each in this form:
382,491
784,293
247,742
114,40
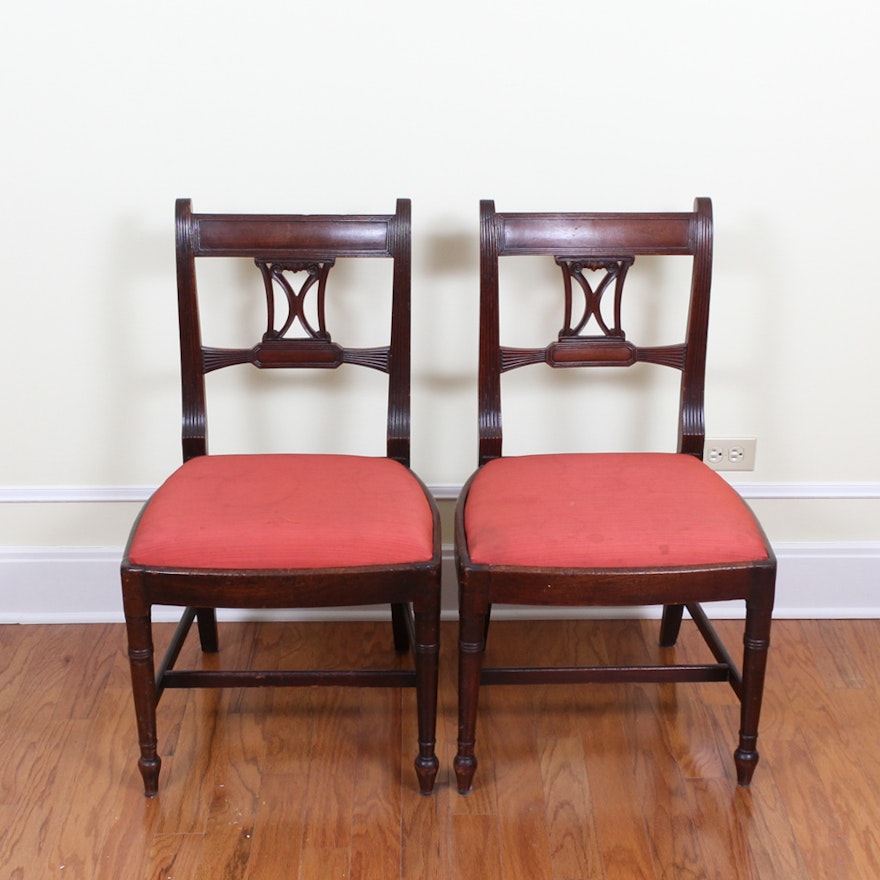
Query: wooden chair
287,530
605,529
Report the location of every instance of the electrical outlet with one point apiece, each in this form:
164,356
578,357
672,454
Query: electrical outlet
730,454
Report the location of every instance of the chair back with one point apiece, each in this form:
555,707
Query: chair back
295,255
595,252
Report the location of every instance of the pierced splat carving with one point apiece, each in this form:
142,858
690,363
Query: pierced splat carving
313,346
274,274
573,270
573,347
608,348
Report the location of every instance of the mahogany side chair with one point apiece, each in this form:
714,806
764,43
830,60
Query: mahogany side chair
605,528
289,530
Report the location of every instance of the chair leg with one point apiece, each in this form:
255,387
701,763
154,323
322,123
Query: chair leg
670,625
756,642
143,683
401,631
208,638
471,650
427,662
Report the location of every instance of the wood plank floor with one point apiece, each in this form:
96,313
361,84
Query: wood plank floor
593,782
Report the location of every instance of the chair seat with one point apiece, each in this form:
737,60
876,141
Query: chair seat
607,510
285,512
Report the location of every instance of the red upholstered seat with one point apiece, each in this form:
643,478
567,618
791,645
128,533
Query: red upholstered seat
657,509
285,511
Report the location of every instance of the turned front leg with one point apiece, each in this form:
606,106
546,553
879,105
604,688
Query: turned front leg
143,683
471,650
756,643
427,662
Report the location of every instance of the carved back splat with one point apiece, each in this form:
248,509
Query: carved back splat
595,253
294,255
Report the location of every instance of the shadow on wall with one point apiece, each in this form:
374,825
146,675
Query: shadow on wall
539,411
744,340
445,346
138,437
338,410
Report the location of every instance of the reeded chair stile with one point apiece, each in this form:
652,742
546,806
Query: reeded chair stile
291,530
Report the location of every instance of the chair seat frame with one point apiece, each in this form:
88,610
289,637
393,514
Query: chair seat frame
412,590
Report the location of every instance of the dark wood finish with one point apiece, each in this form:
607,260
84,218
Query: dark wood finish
284,248
608,244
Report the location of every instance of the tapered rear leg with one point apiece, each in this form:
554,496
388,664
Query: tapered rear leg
670,625
756,642
143,682
427,662
208,637
471,650
400,629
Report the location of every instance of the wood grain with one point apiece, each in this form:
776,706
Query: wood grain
590,782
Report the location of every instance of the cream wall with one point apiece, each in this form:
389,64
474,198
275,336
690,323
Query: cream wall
113,110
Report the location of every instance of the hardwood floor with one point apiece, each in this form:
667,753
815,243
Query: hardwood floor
591,781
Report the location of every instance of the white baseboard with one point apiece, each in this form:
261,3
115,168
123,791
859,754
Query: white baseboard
81,585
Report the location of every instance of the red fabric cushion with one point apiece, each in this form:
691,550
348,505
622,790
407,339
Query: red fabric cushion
285,511
607,511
